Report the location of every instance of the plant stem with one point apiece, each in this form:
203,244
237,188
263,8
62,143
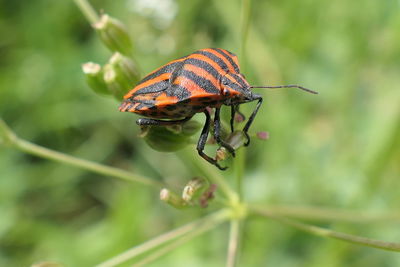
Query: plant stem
327,214
239,163
84,164
87,10
241,154
204,223
173,245
245,23
234,235
11,139
319,231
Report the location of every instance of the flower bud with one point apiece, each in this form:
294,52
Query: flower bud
114,34
94,78
172,199
262,135
236,140
207,196
193,189
120,75
239,117
170,138
126,67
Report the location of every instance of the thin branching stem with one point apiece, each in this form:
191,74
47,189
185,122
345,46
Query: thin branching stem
87,10
319,231
233,245
12,140
206,222
329,214
174,244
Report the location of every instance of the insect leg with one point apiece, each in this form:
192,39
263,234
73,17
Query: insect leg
145,121
240,113
217,132
234,110
202,142
250,121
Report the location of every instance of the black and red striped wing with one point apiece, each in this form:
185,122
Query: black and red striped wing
149,88
191,82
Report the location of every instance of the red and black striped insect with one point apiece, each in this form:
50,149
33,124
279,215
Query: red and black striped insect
189,85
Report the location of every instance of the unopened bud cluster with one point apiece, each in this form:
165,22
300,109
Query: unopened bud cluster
121,73
196,192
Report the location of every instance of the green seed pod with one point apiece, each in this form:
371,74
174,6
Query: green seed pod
94,78
114,34
120,75
171,138
125,67
172,199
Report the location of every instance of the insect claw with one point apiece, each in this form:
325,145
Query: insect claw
219,167
247,143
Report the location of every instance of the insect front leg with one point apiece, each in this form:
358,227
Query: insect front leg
234,110
202,142
217,132
250,121
145,121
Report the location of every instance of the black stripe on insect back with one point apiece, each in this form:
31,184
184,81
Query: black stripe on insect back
200,81
179,92
205,66
153,88
229,58
240,81
214,58
166,69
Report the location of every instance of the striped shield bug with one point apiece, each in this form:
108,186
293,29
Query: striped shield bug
207,78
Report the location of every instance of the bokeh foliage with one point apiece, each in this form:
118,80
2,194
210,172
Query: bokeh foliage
339,149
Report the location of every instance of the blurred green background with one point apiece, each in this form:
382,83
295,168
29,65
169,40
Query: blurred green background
338,149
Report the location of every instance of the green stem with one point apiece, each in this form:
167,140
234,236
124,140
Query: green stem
204,223
87,10
330,215
241,154
84,164
11,139
245,23
239,167
319,231
174,244
234,235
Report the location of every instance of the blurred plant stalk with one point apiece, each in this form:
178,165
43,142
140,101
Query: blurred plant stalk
9,138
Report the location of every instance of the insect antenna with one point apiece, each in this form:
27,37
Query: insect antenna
287,86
